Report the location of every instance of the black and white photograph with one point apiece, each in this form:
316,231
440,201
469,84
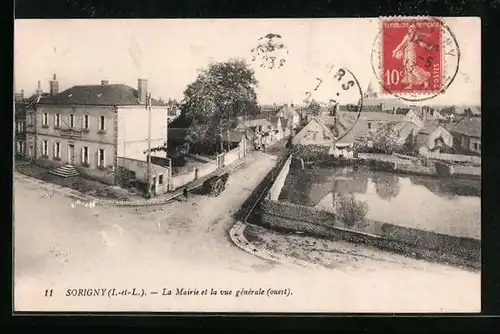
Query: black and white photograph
325,165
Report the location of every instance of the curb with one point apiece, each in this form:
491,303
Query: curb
110,203
236,233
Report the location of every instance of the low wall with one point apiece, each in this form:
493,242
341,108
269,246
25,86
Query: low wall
180,180
418,243
277,186
231,156
207,169
451,157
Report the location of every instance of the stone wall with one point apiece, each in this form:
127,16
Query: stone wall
278,184
409,241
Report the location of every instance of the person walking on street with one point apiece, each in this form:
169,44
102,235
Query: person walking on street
185,193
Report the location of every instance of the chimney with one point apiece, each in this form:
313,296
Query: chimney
39,89
382,106
104,82
22,94
54,86
142,87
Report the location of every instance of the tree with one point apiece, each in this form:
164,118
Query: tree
212,103
388,140
313,108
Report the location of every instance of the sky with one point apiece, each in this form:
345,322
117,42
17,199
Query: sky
169,52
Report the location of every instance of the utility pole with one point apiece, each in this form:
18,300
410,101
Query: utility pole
148,108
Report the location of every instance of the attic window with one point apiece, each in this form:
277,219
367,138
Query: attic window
70,95
99,95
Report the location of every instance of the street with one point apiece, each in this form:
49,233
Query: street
61,244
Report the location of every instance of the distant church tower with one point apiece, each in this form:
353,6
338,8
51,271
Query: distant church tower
370,94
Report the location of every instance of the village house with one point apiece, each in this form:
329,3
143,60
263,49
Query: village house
433,137
292,116
101,132
467,136
20,124
24,112
263,130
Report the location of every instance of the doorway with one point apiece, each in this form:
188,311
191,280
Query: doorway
71,154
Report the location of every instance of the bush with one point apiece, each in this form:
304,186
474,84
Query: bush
350,210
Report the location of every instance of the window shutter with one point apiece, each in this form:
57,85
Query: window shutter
97,156
82,156
54,148
104,157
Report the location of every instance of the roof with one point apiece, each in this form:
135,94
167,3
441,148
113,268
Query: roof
235,136
429,127
258,122
111,95
404,129
288,111
468,126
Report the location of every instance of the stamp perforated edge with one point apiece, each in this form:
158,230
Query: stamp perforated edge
416,96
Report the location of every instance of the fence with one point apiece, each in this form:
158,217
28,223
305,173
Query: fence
222,160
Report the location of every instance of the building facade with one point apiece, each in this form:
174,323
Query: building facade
90,127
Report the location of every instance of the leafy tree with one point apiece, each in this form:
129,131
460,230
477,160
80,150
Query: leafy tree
388,140
349,209
212,103
313,108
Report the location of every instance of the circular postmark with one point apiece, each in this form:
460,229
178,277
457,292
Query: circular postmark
415,58
336,99
270,52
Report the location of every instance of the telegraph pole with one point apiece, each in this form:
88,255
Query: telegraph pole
148,107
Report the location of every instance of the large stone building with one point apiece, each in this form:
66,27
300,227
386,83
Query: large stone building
96,129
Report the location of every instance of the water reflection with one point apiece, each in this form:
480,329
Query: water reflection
447,205
386,185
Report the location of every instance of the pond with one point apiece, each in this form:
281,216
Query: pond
442,205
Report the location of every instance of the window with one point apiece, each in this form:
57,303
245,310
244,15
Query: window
45,119
57,150
85,121
71,121
160,179
30,119
101,157
18,126
57,120
479,147
464,142
102,125
85,155
19,147
45,148
369,125
476,147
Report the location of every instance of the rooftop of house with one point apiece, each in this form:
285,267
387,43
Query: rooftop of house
469,126
235,136
110,95
288,110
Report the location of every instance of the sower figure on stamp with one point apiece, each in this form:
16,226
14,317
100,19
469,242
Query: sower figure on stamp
406,51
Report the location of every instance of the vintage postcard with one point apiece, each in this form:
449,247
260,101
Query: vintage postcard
256,165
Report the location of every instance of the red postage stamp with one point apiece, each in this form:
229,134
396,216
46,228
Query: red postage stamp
411,53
